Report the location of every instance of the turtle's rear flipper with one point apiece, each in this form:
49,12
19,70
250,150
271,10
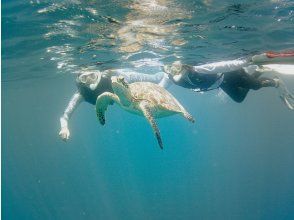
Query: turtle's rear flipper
102,103
188,116
148,115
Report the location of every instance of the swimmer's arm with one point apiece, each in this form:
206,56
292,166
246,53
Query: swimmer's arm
131,77
160,78
165,81
72,105
222,66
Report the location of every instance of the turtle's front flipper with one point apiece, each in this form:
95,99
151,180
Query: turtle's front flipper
102,103
148,115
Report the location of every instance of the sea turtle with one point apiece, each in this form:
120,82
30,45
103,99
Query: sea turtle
142,98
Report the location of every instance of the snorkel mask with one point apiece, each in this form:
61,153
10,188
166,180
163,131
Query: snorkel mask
89,79
175,70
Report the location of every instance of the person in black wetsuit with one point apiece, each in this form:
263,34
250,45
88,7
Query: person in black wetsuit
235,77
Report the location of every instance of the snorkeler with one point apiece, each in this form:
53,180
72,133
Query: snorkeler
91,84
235,77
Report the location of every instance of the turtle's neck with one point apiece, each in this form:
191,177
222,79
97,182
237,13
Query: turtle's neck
124,96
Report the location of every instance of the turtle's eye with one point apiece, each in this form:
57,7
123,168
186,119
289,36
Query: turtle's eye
123,82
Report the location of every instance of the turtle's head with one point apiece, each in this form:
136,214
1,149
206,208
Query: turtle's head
121,89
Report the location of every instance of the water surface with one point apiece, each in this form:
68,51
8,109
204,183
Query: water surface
235,162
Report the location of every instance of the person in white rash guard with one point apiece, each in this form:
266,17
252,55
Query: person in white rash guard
234,77
93,83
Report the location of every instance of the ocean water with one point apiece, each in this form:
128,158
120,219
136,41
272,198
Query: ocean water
235,162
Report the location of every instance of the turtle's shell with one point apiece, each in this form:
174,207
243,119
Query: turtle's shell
156,95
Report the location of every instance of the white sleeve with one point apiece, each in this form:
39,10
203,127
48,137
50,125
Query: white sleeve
72,105
165,81
132,76
221,67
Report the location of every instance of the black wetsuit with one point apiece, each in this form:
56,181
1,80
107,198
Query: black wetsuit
91,95
236,84
195,80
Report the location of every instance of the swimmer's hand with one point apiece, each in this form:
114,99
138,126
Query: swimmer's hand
64,133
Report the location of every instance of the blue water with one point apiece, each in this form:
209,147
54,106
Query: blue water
235,162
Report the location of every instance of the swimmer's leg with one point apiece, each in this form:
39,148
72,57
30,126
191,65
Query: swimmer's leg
251,82
270,57
256,84
232,86
238,94
102,102
254,81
